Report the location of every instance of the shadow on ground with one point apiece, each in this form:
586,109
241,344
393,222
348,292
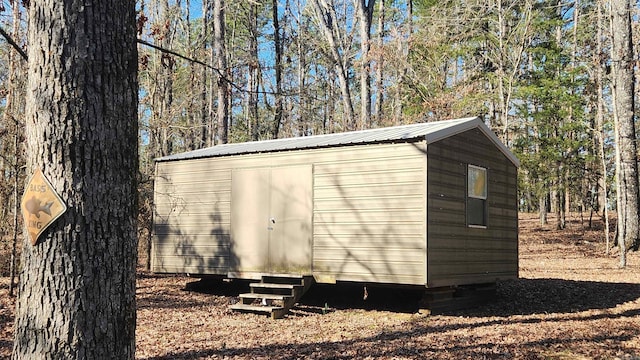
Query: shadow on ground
513,297
536,296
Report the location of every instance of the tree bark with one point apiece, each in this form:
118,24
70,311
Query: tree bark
252,74
380,63
13,106
220,55
77,288
365,16
277,116
600,128
623,105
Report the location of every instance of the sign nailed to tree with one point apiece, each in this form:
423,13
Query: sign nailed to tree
41,206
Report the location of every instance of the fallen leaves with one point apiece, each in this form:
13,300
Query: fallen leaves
571,302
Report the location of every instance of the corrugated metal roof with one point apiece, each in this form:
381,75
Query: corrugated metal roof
431,131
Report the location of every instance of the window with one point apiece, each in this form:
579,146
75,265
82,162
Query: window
476,196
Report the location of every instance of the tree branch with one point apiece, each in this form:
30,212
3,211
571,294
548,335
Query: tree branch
13,43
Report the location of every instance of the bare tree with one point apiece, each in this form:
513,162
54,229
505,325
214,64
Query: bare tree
277,43
364,9
325,15
623,76
220,55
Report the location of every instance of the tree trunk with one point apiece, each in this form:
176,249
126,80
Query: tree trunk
327,20
380,63
277,116
204,113
365,16
623,105
220,55
77,289
252,74
600,129
12,107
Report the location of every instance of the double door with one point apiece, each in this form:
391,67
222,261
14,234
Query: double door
271,219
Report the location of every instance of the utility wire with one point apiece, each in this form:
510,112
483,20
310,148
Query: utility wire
156,47
220,73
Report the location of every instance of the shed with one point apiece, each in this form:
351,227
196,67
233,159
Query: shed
430,204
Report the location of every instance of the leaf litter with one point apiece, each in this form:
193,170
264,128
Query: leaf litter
571,302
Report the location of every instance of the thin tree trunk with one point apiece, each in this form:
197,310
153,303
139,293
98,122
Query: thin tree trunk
77,289
220,55
600,130
252,76
277,116
626,150
380,62
203,76
365,16
11,107
327,20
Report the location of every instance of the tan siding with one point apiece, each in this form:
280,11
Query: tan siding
458,254
369,211
192,218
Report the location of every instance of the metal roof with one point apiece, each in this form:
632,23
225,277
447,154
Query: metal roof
431,131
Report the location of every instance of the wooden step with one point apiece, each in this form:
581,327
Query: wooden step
294,279
273,286
265,296
277,312
285,289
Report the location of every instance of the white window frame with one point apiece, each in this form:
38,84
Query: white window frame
473,195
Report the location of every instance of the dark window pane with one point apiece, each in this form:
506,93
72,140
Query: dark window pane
476,212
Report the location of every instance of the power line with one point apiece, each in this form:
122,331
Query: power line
161,49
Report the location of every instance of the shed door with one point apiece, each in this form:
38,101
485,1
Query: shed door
271,212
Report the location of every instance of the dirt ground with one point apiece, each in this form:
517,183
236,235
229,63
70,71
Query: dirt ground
571,302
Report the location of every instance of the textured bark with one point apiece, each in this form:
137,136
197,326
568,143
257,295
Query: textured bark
623,94
77,288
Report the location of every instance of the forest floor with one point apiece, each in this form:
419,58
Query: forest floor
571,302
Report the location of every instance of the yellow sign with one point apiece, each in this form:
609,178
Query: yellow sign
40,205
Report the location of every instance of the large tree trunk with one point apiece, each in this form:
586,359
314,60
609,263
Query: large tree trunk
623,93
77,288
